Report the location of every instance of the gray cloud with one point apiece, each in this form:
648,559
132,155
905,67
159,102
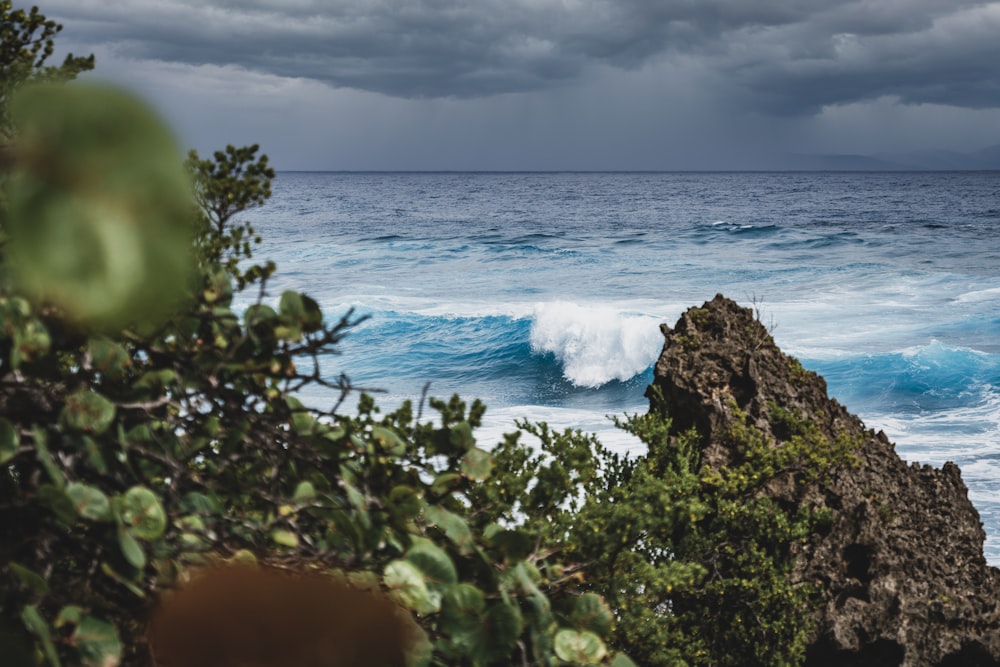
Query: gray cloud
947,59
783,56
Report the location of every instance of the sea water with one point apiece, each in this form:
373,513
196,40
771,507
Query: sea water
541,293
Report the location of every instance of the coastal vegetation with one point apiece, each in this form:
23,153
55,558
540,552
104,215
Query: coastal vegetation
149,429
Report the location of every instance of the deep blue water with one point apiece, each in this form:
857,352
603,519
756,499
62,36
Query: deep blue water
541,293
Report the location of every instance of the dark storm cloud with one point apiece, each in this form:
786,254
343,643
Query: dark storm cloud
788,56
947,58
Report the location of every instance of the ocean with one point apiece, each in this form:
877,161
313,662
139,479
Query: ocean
541,293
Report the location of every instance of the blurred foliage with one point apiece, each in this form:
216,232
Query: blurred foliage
98,217
148,430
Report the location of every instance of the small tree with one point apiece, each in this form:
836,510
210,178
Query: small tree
26,43
233,182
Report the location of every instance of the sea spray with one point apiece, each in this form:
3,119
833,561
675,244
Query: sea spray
595,343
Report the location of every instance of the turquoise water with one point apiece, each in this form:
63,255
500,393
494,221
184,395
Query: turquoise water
542,293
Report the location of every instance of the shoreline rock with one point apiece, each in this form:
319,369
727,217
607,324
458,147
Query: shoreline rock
901,568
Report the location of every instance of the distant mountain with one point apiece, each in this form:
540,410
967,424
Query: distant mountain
928,160
987,158
939,160
799,162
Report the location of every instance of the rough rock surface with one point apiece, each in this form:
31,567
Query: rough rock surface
902,570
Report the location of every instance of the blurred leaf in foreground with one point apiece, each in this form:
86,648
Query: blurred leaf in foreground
100,208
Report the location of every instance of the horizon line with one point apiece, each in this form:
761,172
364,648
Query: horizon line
636,171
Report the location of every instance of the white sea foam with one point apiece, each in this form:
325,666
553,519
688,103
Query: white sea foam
595,344
514,309
990,294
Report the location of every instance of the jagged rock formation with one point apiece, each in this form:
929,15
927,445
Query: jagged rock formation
902,570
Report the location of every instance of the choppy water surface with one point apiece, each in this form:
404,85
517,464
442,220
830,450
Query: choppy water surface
541,293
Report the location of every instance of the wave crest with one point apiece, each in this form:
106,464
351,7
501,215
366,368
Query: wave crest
595,344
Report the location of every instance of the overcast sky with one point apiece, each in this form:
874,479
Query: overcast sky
553,84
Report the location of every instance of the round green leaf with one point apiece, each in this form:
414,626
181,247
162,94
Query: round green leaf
582,648
88,412
31,341
388,441
98,642
453,525
407,585
70,614
289,332
301,311
192,528
461,608
433,562
99,217
495,635
9,441
259,317
304,492
445,482
191,522
91,503
477,464
244,557
192,542
404,501
591,612
108,357
291,305
285,538
142,513
312,316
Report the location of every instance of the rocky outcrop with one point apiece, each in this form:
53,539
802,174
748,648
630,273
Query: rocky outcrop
902,572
